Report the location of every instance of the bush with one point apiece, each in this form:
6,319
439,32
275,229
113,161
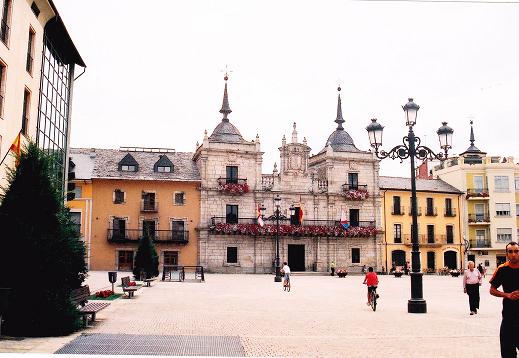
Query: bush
41,256
146,258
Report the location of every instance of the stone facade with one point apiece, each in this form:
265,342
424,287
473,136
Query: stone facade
316,188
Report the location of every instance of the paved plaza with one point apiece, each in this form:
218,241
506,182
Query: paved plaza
322,316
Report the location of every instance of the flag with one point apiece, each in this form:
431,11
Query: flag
260,218
15,147
344,222
301,214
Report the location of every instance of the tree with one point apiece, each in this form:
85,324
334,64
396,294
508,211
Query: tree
41,256
146,258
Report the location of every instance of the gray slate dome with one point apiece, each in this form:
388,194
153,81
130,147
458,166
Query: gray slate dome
340,140
225,132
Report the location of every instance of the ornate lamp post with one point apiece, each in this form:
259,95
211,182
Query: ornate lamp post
412,148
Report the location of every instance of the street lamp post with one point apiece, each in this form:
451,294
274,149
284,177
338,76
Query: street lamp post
412,148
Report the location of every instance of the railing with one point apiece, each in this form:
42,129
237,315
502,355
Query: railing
418,211
426,240
397,210
479,218
4,32
431,211
322,185
222,181
450,212
346,187
480,243
158,236
286,221
267,182
148,206
477,193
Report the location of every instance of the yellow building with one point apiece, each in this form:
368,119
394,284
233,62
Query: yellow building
439,232
123,194
491,210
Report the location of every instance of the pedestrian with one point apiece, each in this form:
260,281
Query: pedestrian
471,283
480,269
332,268
364,269
507,275
393,267
406,268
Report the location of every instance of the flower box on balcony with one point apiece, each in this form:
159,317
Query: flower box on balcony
476,195
355,194
233,188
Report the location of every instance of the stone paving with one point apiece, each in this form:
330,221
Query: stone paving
322,316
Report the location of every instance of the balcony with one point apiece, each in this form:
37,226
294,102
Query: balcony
477,193
397,210
158,236
449,212
249,226
429,211
233,186
418,210
479,219
425,240
355,192
267,182
149,206
480,243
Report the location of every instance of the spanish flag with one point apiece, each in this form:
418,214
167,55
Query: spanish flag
301,214
16,146
259,216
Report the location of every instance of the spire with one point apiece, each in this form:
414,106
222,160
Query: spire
339,120
225,103
471,134
294,134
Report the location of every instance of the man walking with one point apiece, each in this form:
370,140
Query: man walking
332,268
507,275
471,283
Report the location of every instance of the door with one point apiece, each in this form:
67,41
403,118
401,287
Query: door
177,230
119,229
449,260
125,261
353,181
431,261
480,212
354,217
148,228
480,238
398,257
478,184
296,257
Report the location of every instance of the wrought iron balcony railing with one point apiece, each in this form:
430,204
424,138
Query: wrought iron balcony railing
477,193
222,181
431,211
397,210
480,243
149,206
283,220
427,240
449,212
158,236
479,218
418,211
346,187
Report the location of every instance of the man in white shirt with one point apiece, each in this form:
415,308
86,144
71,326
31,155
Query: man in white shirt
286,271
471,283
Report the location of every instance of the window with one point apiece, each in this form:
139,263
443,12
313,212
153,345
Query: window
166,169
148,202
4,27
30,51
180,198
296,218
163,165
128,164
516,209
516,183
450,234
128,168
25,111
501,183
396,205
35,9
430,207
232,255
231,216
502,209
504,235
178,232
77,191
232,175
430,234
75,217
478,183
119,196
3,70
353,181
171,258
355,256
448,206
354,217
148,228
118,228
397,233
125,260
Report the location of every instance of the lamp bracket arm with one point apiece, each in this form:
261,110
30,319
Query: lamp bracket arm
400,151
423,152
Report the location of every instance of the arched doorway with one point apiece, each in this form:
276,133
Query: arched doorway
450,259
398,257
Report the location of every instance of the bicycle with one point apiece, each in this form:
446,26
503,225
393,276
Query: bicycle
373,300
286,285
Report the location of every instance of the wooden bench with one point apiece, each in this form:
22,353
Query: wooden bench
125,283
79,297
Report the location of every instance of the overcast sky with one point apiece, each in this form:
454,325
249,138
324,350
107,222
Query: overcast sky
154,71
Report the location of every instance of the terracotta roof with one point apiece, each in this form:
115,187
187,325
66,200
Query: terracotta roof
432,185
105,165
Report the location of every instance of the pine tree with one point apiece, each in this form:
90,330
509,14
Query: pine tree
146,258
41,256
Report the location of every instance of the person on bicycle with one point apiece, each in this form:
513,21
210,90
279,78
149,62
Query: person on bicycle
286,271
371,279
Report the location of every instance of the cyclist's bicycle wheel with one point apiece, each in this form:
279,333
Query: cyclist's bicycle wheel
374,300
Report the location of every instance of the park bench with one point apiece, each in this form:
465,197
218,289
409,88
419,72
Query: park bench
125,283
79,297
148,281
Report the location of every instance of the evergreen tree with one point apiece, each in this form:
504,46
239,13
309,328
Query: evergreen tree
146,258
41,256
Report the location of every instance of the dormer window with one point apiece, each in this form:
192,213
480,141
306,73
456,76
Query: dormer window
128,164
163,165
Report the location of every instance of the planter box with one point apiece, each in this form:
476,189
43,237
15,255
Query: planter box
342,274
398,274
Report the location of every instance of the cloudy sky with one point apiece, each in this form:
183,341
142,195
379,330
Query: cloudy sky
154,71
